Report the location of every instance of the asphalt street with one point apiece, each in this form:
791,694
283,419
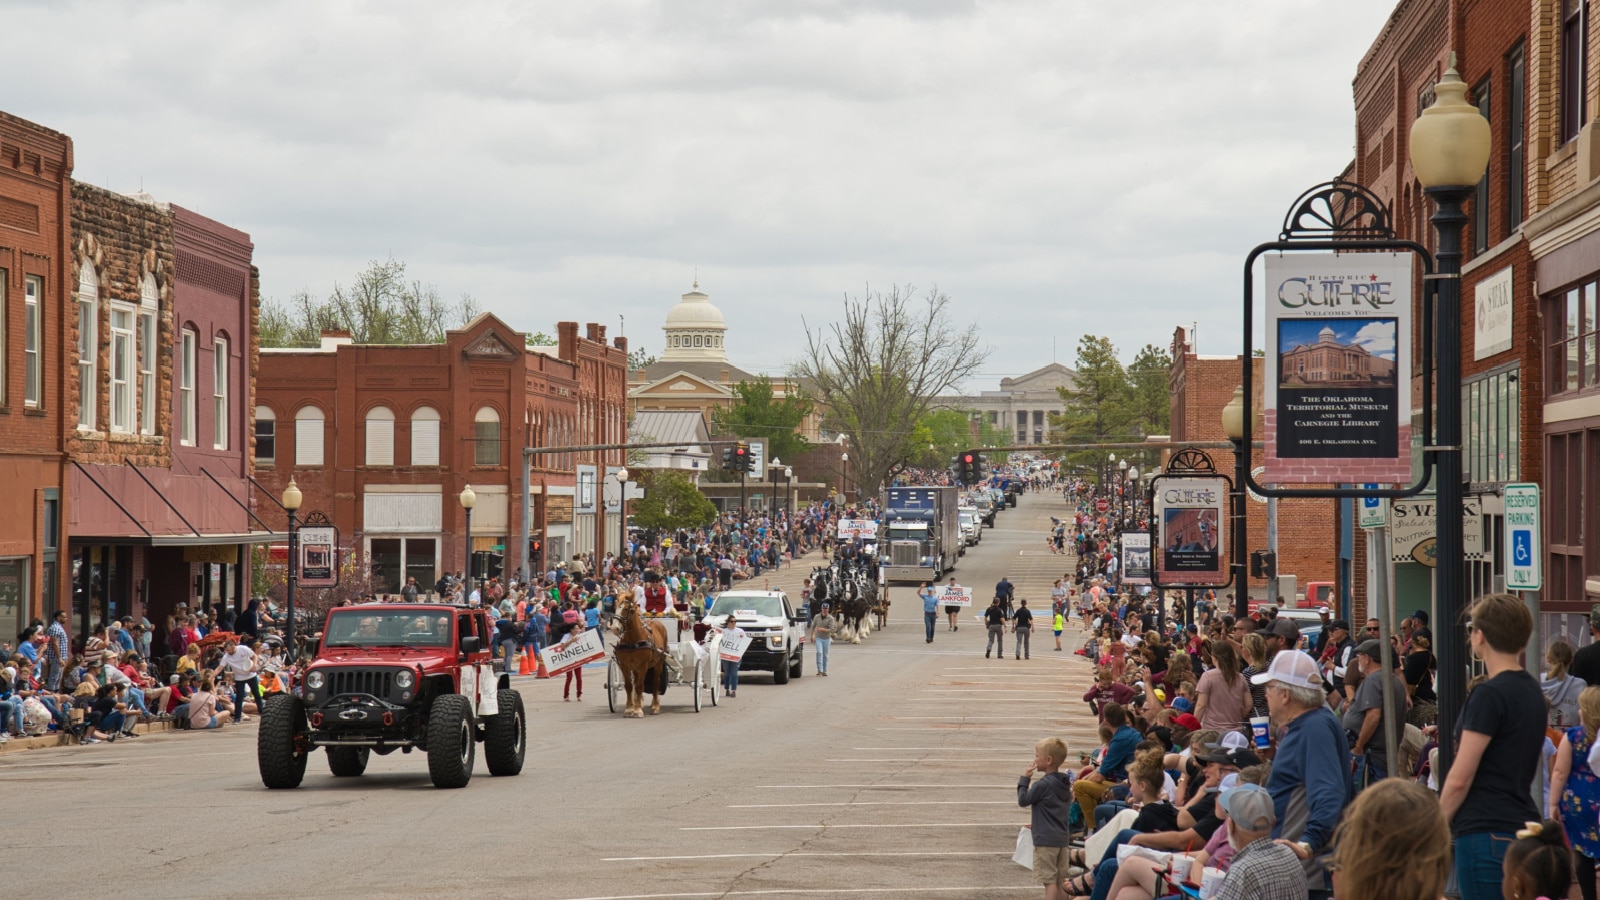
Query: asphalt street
894,776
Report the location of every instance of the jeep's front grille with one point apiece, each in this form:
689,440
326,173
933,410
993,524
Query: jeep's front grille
360,681
906,554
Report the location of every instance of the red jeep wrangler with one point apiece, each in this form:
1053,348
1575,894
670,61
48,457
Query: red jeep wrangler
397,676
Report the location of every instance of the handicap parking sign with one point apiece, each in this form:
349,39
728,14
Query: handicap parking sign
1522,547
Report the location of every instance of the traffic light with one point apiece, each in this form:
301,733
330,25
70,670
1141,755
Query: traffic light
727,459
741,457
496,564
535,553
969,468
1263,564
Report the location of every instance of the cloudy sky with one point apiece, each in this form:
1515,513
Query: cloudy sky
1057,168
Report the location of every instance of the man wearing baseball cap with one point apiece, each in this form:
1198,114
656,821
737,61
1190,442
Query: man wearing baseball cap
1281,634
1262,869
1364,716
1309,783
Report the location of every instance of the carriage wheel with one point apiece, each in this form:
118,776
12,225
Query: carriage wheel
614,686
699,681
713,664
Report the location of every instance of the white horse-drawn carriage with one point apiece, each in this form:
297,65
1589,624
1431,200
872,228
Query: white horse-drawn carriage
689,663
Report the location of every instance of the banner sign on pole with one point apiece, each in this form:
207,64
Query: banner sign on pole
1337,398
732,646
319,556
1189,516
586,648
955,595
1522,540
1412,534
858,529
1135,557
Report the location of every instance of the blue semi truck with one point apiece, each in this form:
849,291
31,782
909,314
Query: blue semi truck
920,533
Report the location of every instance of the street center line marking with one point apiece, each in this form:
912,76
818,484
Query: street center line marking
877,803
822,825
788,855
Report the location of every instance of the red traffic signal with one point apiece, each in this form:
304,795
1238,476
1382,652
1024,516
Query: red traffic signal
967,459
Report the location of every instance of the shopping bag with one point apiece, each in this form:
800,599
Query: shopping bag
1024,855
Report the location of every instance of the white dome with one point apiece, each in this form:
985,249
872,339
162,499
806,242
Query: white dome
695,311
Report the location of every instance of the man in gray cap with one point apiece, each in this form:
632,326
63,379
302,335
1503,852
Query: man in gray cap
1262,869
1364,716
1586,662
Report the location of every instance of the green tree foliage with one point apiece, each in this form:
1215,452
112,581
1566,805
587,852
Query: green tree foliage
1150,392
671,501
1097,406
942,433
879,370
639,359
380,307
540,339
759,413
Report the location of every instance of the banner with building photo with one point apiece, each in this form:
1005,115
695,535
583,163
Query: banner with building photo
1336,405
1135,557
1189,527
319,556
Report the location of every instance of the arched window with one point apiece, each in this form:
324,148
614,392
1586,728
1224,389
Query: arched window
149,317
266,426
486,431
308,436
425,437
380,436
88,343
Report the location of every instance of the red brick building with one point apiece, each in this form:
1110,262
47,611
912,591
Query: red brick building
383,439
1502,374
35,253
1307,533
157,348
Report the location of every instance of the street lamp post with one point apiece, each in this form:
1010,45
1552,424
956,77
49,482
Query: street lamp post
788,484
291,502
622,504
844,476
1122,493
1130,489
772,471
1233,426
469,499
1449,152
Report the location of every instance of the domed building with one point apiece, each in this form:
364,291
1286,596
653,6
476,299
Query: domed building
673,398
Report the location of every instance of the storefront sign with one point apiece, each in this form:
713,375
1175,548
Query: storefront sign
318,565
1189,520
1337,400
1135,557
212,553
1491,330
1413,528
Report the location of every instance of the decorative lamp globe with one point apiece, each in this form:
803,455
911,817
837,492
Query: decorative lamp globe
1450,141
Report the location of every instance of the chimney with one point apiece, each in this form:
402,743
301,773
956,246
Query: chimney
621,343
597,333
335,337
567,343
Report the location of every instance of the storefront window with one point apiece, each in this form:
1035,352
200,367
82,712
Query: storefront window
1490,416
422,562
14,601
1572,328
386,565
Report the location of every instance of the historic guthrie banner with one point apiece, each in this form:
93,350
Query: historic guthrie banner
1336,406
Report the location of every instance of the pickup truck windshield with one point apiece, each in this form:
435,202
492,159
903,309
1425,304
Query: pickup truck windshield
762,606
370,628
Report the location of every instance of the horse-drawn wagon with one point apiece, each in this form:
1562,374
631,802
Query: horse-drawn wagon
652,652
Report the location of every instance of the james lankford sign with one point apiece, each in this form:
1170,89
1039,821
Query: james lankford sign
1337,400
1189,519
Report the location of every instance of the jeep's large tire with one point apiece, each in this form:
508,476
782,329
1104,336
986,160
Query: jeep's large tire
799,667
780,672
506,744
452,749
281,750
348,762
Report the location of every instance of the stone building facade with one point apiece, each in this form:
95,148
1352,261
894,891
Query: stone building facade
156,353
1022,406
35,270
383,439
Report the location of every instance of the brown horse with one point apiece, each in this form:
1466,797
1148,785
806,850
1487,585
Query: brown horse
641,655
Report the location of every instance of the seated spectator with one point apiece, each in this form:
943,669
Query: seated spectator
206,708
106,718
10,706
1262,869
189,661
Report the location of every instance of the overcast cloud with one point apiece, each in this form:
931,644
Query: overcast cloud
1057,168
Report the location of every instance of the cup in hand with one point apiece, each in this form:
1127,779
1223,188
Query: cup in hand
1258,727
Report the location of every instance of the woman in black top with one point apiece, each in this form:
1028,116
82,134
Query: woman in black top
1419,668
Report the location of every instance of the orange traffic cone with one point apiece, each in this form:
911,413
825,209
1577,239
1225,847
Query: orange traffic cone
525,665
542,672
